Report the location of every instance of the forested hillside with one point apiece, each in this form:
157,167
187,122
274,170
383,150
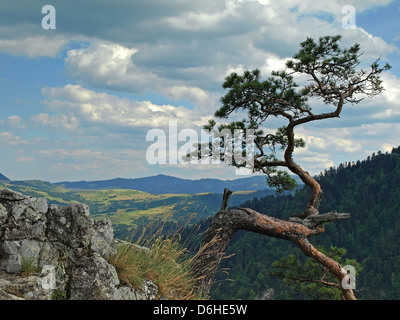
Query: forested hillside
370,191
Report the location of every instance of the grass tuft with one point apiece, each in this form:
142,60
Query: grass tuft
162,259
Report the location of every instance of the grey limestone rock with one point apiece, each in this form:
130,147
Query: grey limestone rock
93,278
15,287
67,248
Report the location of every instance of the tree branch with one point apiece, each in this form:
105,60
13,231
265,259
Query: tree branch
225,199
227,222
333,266
315,221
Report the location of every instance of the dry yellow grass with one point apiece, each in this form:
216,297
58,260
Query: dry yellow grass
165,262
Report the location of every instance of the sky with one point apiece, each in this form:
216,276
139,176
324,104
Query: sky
88,87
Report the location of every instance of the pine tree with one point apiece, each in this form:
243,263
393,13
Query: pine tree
335,79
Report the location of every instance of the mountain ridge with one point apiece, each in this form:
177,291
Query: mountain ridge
162,184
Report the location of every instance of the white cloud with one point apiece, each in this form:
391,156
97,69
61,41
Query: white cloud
181,50
347,145
273,63
90,163
58,121
16,122
372,47
391,83
316,163
193,94
9,139
21,41
108,65
190,50
103,108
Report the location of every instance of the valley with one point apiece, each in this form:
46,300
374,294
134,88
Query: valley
369,190
125,206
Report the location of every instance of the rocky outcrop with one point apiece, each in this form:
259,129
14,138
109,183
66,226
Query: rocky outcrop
51,251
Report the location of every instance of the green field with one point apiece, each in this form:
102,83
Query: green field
125,206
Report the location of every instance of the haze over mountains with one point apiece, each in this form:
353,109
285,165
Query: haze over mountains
162,184
3,178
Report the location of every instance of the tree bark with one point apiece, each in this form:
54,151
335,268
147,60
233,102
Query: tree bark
333,266
316,191
227,222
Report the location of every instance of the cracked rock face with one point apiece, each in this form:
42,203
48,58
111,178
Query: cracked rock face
66,244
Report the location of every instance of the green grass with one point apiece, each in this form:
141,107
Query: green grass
165,262
29,266
41,189
122,216
113,195
124,206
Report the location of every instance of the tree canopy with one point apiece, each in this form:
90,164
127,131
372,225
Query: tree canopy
328,73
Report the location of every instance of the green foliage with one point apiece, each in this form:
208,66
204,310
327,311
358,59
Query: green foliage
326,57
337,67
310,278
29,266
369,190
260,99
281,181
332,75
59,295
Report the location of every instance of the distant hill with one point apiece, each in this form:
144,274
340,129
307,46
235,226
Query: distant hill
125,207
163,184
3,178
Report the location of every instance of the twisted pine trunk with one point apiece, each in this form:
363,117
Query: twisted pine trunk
227,222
